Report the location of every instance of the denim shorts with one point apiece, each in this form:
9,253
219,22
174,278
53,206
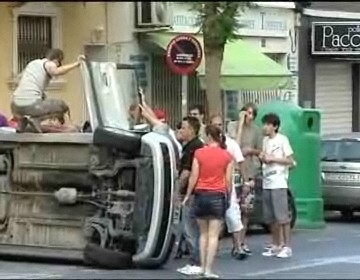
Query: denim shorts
210,205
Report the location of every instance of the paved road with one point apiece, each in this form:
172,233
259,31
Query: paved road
318,254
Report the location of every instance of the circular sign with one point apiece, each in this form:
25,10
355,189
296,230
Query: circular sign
183,54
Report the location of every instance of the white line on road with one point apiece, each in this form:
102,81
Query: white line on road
309,264
29,276
321,239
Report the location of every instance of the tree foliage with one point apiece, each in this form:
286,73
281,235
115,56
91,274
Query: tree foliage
219,21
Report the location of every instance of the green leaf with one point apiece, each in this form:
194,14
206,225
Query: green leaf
219,21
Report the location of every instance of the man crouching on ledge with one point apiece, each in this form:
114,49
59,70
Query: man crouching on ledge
29,103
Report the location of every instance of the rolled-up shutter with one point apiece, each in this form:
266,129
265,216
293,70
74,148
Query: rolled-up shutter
333,96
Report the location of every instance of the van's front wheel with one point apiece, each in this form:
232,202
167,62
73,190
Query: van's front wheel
97,256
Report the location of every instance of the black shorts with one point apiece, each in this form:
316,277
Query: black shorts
209,205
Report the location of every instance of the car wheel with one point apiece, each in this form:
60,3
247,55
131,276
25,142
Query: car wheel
266,228
96,256
292,209
347,215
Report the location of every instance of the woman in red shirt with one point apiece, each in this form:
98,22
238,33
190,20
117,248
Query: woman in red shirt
210,181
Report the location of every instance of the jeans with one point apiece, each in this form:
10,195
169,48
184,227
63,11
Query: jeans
191,231
42,109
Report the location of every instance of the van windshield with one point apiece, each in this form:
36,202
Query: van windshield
340,150
116,95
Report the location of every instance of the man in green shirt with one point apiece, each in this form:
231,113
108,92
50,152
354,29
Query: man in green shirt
249,136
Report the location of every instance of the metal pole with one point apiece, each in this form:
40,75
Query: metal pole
184,91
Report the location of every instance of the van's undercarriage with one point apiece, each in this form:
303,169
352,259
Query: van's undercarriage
63,193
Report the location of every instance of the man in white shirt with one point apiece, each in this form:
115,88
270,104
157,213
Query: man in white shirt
277,157
233,213
29,103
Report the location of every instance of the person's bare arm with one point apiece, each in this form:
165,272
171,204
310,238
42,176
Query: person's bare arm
244,174
228,178
251,152
148,114
243,171
289,160
240,127
145,106
54,71
194,176
183,180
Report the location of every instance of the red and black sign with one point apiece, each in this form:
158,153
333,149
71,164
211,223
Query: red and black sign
184,54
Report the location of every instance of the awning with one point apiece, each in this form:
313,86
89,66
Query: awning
244,67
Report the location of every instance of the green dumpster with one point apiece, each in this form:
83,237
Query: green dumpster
302,127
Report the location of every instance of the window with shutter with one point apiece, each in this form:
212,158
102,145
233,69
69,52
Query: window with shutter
34,38
36,28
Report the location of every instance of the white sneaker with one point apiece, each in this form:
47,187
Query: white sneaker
195,270
286,252
190,270
183,269
210,275
273,251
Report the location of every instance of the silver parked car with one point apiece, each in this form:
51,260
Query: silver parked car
340,166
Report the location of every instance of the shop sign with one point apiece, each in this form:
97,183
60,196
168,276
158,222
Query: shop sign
335,38
184,54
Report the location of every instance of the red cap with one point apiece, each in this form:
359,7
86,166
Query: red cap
160,114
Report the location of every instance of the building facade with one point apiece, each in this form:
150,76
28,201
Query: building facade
270,28
29,29
114,31
329,64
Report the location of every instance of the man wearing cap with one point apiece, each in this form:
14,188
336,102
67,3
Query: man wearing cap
157,119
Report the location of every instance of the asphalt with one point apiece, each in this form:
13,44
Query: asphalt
330,253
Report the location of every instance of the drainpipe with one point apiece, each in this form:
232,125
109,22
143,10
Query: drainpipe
303,99
106,24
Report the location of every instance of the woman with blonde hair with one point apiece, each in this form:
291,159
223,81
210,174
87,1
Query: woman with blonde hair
211,183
